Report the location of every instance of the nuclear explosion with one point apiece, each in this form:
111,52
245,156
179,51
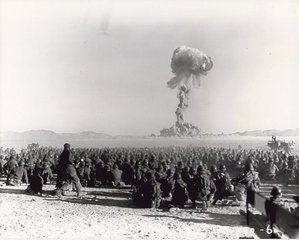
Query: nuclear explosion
188,65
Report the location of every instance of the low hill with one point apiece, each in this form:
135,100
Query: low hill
36,135
269,132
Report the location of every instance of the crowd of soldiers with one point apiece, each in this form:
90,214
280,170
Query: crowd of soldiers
158,176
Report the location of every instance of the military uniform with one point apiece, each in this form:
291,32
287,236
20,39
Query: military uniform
223,185
201,188
18,175
117,173
67,173
180,194
148,195
249,178
167,185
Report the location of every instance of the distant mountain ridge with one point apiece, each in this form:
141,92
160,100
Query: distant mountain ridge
36,135
48,135
269,132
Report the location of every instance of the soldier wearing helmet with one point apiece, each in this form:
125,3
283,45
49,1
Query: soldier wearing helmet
248,179
271,206
223,184
276,193
67,174
296,210
201,188
271,170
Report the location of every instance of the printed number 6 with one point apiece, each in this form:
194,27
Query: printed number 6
269,230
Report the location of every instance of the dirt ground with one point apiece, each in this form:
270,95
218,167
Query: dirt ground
105,213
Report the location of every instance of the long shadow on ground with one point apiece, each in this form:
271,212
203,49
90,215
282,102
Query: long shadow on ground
97,201
23,191
213,218
111,194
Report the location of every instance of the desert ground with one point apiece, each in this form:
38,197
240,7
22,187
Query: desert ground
105,213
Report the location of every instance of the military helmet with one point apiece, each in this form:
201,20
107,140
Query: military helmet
200,169
249,167
170,172
213,168
21,163
177,175
291,158
276,191
67,146
222,167
149,176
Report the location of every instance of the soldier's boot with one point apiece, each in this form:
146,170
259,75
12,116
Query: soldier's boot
80,194
194,205
58,193
204,205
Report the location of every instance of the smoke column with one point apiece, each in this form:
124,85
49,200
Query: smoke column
189,65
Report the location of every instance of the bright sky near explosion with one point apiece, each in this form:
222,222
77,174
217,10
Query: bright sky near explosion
72,66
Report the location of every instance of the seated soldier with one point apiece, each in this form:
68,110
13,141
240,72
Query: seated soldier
249,178
160,174
87,171
284,174
180,194
271,170
117,173
17,176
80,172
2,164
128,172
35,183
296,210
137,180
100,172
185,174
46,173
109,178
10,166
167,185
202,188
223,185
30,165
148,195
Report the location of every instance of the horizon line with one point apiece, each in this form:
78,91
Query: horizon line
90,131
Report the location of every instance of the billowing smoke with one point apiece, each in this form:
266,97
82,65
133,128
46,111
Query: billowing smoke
188,65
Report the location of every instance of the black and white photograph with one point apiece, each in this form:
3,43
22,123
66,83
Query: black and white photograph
148,119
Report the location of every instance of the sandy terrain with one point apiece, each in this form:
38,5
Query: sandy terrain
109,213
105,213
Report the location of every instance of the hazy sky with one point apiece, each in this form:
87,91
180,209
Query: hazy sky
72,66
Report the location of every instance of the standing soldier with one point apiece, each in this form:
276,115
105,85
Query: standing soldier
67,172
